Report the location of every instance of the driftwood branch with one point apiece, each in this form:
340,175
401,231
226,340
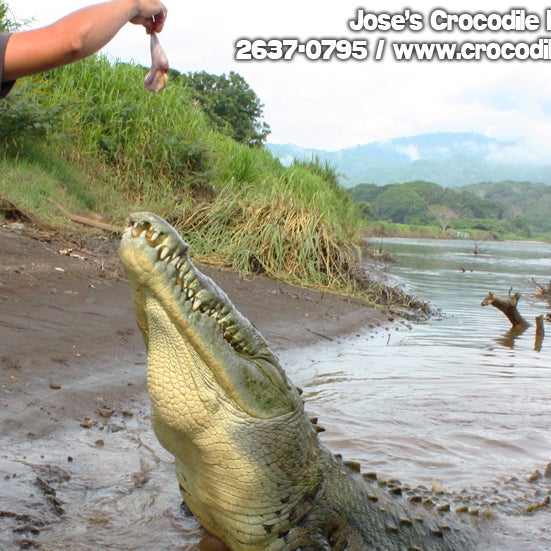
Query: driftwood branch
508,306
88,221
540,333
541,291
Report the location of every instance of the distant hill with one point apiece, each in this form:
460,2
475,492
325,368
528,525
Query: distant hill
527,203
445,158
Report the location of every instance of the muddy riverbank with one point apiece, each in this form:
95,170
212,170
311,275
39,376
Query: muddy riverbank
79,466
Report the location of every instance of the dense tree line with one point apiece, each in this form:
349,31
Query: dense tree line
506,207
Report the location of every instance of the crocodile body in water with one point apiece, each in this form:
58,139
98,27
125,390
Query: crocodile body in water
248,458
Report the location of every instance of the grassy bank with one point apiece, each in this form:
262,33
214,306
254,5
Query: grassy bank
392,229
89,137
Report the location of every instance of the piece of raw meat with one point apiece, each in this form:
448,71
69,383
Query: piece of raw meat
155,80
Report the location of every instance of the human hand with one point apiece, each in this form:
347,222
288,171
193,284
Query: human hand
151,14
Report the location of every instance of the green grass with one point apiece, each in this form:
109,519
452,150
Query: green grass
392,229
29,188
89,137
281,236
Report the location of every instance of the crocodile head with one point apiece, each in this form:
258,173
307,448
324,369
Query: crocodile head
179,307
221,403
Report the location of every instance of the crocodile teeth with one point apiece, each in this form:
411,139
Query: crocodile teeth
163,253
200,301
133,230
230,332
175,260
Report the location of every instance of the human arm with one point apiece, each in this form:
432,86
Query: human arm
77,35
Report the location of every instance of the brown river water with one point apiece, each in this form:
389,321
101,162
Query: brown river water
455,400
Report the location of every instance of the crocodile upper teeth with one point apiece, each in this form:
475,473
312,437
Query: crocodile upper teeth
186,280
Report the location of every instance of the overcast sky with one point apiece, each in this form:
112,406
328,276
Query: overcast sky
336,104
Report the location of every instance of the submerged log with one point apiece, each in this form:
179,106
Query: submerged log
508,306
540,333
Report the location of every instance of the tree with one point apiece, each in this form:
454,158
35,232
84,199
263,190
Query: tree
444,215
365,192
6,23
231,105
365,212
399,204
429,191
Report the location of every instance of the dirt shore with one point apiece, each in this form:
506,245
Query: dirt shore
66,314
72,358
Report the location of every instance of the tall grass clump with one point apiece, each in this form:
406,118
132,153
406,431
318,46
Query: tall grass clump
277,237
289,225
324,169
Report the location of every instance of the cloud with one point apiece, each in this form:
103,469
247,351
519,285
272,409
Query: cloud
410,150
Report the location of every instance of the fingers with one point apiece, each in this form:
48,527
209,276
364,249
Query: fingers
153,23
159,20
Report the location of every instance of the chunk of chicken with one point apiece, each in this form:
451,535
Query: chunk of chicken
155,80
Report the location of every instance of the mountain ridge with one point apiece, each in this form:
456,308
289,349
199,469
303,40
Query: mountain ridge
450,159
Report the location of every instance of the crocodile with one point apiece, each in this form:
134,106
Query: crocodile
249,461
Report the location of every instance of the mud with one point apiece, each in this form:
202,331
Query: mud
79,466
